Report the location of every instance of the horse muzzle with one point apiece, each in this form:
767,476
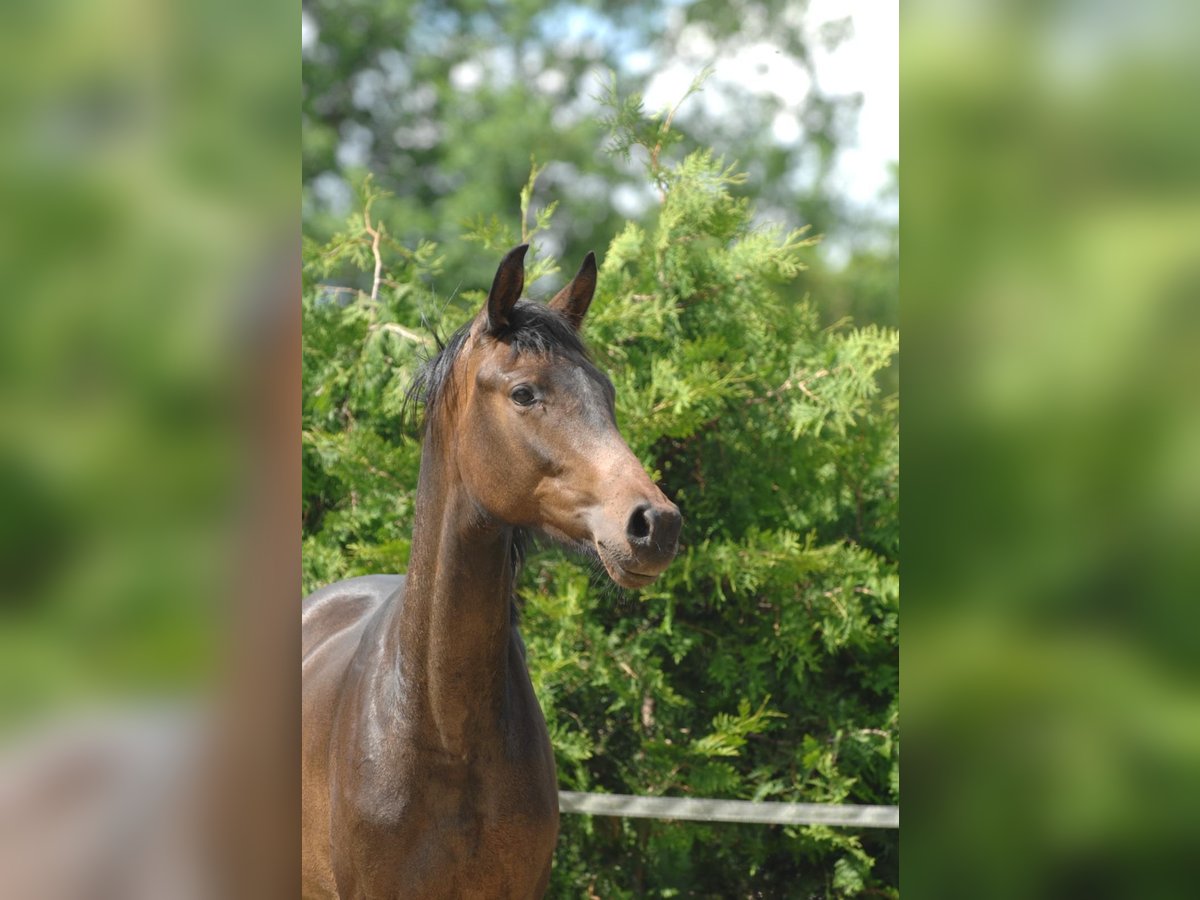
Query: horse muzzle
646,548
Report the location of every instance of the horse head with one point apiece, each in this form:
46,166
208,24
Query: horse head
532,427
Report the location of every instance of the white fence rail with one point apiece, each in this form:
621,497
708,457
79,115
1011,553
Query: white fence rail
704,810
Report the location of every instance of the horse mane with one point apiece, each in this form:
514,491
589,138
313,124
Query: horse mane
532,328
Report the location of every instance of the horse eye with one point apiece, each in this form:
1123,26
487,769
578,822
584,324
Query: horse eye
522,395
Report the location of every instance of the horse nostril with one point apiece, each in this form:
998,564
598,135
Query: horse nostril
638,528
666,527
654,527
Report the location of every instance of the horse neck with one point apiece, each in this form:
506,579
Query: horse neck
452,633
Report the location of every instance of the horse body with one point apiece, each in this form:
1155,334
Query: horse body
428,771
426,774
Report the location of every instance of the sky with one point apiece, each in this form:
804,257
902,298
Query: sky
866,62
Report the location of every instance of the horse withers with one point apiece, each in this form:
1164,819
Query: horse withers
427,768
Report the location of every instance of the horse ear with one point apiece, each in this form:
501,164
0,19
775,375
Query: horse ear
574,299
506,288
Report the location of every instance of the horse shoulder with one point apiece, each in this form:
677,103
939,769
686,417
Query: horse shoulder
333,622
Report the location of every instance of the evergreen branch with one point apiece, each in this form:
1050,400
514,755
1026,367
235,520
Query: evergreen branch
394,328
526,196
341,289
665,129
376,234
789,383
697,83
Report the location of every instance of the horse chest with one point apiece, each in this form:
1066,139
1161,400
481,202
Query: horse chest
425,823
454,833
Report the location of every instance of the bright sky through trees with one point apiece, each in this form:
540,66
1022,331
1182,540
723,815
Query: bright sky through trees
864,61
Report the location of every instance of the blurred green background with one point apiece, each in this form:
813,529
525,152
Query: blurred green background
148,169
1051,306
148,227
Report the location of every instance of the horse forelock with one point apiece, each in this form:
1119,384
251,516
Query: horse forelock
536,329
533,329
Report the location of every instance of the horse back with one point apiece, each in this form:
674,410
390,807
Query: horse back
344,605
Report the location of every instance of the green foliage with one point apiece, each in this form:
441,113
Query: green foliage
629,125
763,663
494,235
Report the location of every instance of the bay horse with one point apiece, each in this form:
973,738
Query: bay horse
427,768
